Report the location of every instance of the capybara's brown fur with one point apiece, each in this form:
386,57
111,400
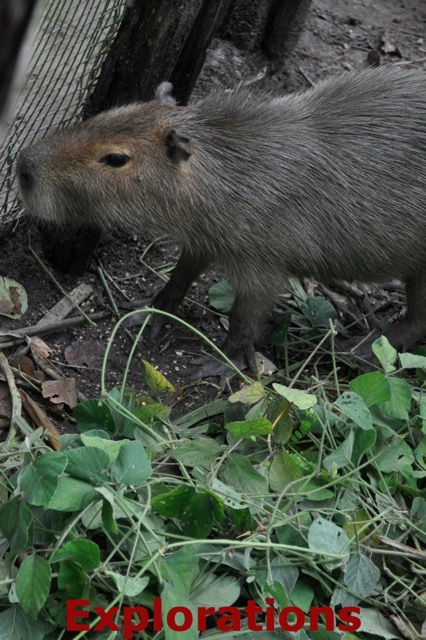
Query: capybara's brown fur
329,183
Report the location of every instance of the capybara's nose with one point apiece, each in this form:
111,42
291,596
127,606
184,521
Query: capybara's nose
25,172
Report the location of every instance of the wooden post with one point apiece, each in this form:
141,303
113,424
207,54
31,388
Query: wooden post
157,40
273,25
284,27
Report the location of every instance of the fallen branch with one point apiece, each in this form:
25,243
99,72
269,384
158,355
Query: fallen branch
12,338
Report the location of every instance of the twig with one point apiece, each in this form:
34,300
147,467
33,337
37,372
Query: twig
67,304
15,398
12,338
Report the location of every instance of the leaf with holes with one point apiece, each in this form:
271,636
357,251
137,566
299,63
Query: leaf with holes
325,537
354,407
13,298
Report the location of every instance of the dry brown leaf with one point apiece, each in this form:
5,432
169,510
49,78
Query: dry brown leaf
89,353
24,364
13,298
61,391
39,417
39,348
41,353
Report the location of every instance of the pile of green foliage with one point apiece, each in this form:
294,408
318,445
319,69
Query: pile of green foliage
304,494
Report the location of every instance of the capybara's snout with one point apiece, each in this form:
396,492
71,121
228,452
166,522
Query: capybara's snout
26,171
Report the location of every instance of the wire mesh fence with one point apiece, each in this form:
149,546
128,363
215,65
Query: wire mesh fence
71,41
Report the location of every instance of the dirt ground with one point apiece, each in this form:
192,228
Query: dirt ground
338,35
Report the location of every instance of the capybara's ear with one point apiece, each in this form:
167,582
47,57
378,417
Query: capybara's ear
163,93
178,146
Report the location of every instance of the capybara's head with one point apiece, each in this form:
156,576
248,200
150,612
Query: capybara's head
114,170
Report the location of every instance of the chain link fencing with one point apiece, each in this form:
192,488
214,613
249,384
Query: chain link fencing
71,41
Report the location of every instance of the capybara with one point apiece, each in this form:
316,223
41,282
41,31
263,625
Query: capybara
328,183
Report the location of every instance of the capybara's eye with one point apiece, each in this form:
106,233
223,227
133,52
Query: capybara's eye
115,159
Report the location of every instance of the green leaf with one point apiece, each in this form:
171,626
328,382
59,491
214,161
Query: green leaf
354,407
279,415
364,440
155,380
13,298
400,402
171,598
84,552
394,455
216,591
72,579
249,428
72,495
111,447
418,515
126,585
228,495
279,332
240,474
300,399
199,513
283,572
33,584
373,388
171,503
16,524
302,595
39,480
200,453
249,394
88,463
342,455
196,510
284,471
108,519
221,296
152,412
385,353
315,492
361,576
132,465
288,534
326,537
121,403
180,568
16,625
94,414
318,311
373,622
412,361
